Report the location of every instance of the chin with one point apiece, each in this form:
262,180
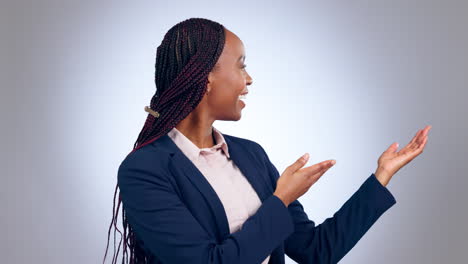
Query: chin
238,115
235,117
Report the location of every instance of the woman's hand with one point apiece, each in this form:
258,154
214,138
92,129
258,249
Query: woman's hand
295,180
391,160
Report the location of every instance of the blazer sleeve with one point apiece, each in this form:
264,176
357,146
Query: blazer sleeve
168,229
330,241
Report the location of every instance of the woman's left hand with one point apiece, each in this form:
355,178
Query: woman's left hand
391,161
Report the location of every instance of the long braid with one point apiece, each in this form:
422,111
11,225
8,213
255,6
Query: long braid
188,52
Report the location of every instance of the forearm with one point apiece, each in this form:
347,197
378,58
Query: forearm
334,238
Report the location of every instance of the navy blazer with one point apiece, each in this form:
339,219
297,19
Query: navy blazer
177,216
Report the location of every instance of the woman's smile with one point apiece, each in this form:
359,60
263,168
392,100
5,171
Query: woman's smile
243,103
242,97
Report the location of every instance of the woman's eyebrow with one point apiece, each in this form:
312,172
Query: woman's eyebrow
241,56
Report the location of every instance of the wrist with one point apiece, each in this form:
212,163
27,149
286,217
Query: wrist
285,202
382,176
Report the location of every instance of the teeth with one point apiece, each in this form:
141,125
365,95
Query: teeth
242,96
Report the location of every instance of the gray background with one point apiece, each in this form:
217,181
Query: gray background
340,80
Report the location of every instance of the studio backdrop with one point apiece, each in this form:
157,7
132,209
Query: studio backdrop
337,79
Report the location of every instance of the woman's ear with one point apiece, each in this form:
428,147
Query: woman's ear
208,87
210,82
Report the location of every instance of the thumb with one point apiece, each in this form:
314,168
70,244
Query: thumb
299,163
392,148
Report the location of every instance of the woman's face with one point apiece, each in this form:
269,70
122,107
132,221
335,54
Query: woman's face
228,80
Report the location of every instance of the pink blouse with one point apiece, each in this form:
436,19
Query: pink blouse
238,197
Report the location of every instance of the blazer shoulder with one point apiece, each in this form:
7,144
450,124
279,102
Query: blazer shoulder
146,158
250,146
245,143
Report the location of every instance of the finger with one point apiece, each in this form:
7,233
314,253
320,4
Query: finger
317,168
299,163
426,129
409,147
422,137
417,147
415,137
423,144
316,176
414,144
422,134
413,153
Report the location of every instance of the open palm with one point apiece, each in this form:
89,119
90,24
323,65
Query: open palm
392,160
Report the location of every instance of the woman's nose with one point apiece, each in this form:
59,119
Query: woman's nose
249,79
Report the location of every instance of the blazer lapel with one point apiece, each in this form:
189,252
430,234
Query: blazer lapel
182,165
244,160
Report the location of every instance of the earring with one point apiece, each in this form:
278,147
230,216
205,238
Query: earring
152,112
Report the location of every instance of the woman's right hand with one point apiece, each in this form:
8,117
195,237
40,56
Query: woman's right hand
294,181
392,160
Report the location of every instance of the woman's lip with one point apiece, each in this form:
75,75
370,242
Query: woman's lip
242,102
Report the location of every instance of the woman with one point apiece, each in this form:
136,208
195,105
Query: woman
192,194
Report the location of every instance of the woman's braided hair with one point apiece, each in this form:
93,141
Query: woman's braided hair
187,54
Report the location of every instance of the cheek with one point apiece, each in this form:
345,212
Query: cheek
232,83
237,82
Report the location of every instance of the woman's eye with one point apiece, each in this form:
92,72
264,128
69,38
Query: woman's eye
243,66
